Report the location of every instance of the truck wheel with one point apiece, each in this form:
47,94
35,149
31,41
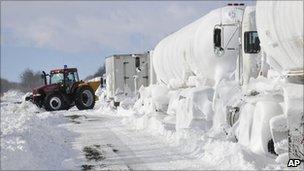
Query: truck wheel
270,147
54,102
85,98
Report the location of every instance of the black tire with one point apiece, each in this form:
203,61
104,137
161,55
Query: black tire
270,146
54,102
85,98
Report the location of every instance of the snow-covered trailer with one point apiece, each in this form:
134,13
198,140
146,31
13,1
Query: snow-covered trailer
251,101
126,73
190,52
152,75
280,28
266,114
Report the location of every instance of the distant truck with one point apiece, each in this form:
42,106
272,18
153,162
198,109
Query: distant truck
62,90
126,73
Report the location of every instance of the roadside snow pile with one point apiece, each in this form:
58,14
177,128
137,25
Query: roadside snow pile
31,138
185,118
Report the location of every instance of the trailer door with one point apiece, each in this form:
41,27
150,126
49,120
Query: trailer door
128,77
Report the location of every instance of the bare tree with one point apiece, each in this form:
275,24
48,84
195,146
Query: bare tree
101,70
6,85
30,80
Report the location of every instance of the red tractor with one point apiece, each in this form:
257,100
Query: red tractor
62,90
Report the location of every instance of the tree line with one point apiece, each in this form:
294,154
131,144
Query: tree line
100,71
28,80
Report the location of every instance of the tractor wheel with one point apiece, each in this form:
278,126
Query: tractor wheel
85,98
54,102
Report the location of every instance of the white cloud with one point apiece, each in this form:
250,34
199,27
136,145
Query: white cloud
93,26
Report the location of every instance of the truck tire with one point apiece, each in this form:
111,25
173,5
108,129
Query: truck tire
54,102
85,98
270,147
261,138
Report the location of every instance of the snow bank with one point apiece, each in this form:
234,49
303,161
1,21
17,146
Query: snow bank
31,138
188,124
194,109
208,124
231,126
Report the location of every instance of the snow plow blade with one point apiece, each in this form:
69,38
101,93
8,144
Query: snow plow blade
94,85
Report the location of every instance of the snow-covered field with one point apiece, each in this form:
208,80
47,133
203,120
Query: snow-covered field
104,138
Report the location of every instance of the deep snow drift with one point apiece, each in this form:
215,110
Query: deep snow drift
184,119
32,138
129,137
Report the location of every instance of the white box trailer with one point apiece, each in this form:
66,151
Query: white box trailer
126,73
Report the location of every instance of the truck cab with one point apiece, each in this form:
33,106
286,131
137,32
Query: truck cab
266,111
250,60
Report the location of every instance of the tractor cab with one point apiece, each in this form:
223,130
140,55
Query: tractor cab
66,75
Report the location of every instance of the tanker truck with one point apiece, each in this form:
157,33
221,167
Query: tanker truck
251,60
266,113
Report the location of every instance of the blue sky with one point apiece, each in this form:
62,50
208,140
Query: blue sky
42,35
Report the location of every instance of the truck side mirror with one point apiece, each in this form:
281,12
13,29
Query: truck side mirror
217,41
217,37
137,62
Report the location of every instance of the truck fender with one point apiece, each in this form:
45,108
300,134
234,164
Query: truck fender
260,133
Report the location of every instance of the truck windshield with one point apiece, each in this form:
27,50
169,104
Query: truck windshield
56,78
251,42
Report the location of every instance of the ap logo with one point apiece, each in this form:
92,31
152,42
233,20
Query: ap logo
293,163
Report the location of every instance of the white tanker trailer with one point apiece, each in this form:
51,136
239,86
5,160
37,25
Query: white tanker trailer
255,56
280,29
190,52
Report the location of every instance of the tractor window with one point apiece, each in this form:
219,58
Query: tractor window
76,76
56,78
72,77
251,42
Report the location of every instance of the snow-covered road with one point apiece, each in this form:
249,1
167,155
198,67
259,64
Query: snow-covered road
125,148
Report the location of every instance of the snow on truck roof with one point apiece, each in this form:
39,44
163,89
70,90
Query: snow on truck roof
62,70
129,55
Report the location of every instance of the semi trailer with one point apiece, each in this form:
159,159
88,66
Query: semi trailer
252,57
270,75
126,73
